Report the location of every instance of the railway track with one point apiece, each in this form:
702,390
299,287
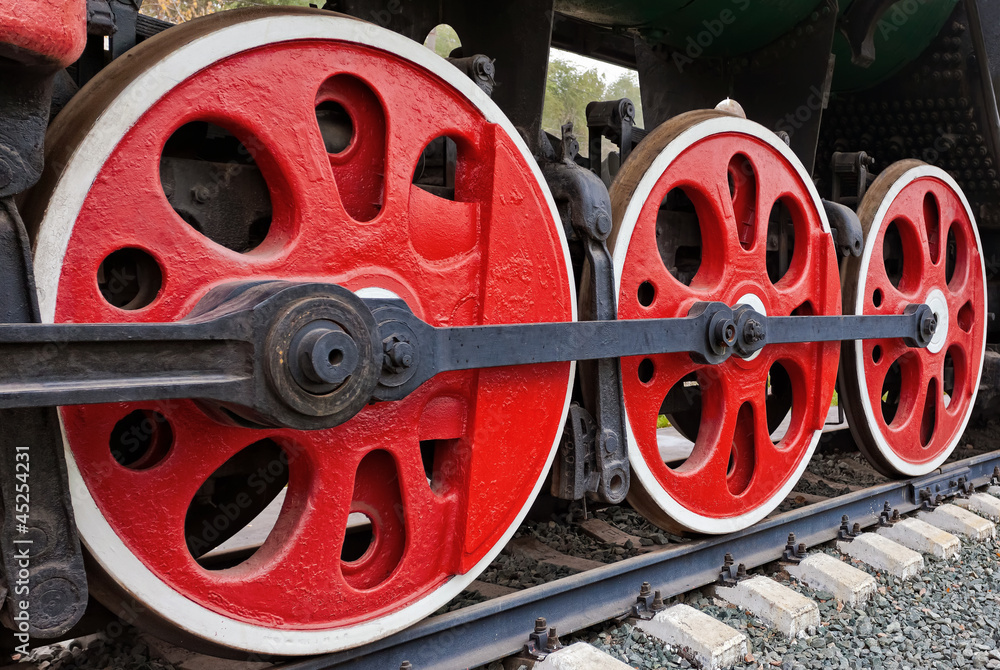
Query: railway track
499,627
578,574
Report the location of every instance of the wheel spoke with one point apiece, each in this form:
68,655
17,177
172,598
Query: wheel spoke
710,459
914,411
809,393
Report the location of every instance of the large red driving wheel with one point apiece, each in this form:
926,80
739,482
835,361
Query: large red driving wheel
711,207
440,479
908,407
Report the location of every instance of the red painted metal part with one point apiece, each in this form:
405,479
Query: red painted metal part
923,427
51,30
493,256
734,232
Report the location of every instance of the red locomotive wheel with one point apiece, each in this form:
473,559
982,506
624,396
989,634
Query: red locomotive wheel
333,117
908,408
712,207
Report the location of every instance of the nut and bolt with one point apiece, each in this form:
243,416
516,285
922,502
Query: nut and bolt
398,354
628,111
201,194
753,331
725,333
324,354
484,68
658,601
611,443
930,325
602,223
541,625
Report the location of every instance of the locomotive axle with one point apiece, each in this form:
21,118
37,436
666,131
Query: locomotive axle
310,356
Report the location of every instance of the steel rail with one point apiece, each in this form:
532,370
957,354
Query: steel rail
491,630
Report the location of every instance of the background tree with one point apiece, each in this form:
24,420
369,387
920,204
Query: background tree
178,11
570,88
567,92
442,40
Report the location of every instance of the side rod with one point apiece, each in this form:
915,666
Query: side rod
216,359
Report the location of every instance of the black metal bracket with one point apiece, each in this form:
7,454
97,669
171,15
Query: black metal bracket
851,177
46,586
930,491
585,207
574,471
889,516
542,641
858,26
845,228
794,552
648,603
965,488
615,120
848,532
115,21
731,574
100,18
928,499
25,98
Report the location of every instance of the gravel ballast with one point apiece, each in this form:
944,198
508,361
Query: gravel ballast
946,617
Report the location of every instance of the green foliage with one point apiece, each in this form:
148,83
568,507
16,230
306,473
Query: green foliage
178,11
442,40
662,422
570,88
567,92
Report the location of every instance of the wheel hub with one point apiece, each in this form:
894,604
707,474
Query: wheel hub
939,305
